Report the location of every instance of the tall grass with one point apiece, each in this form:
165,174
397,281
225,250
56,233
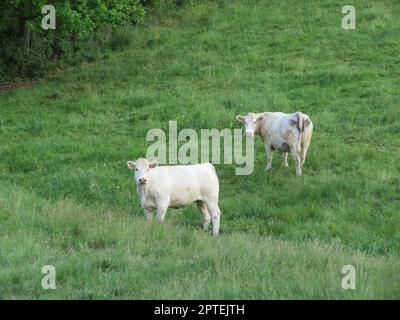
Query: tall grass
102,254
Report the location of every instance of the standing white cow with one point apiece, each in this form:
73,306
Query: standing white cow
163,187
283,132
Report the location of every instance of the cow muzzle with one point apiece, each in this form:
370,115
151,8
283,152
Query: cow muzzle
142,181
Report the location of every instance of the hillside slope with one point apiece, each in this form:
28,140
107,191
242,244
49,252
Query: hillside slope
108,254
64,144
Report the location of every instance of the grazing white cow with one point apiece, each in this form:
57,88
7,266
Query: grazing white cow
280,131
163,187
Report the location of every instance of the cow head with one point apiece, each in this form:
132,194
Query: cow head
141,170
250,123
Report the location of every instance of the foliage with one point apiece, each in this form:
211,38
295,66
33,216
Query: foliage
28,50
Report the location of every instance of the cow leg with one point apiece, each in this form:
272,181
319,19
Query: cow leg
206,216
302,159
303,155
215,217
161,210
149,214
268,151
285,155
296,161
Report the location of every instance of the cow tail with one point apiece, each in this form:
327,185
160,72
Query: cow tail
300,127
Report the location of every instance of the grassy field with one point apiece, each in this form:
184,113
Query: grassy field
67,198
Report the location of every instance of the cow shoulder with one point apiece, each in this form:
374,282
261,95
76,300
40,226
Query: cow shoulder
262,120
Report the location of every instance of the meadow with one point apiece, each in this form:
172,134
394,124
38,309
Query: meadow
67,198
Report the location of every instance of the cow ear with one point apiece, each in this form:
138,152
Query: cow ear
153,164
240,118
131,165
260,117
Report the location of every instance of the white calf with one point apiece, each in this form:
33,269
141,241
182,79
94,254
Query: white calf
163,187
283,132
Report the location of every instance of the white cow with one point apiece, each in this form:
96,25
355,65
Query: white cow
281,131
163,187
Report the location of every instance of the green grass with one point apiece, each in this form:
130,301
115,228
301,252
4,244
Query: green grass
67,198
108,254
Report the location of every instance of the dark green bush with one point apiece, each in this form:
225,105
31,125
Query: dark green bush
159,4
27,50
85,29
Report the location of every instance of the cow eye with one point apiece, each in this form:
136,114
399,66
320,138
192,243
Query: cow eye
136,170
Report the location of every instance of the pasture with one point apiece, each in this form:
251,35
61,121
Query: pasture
67,198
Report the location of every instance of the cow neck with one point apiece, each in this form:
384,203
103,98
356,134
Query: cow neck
142,192
257,128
